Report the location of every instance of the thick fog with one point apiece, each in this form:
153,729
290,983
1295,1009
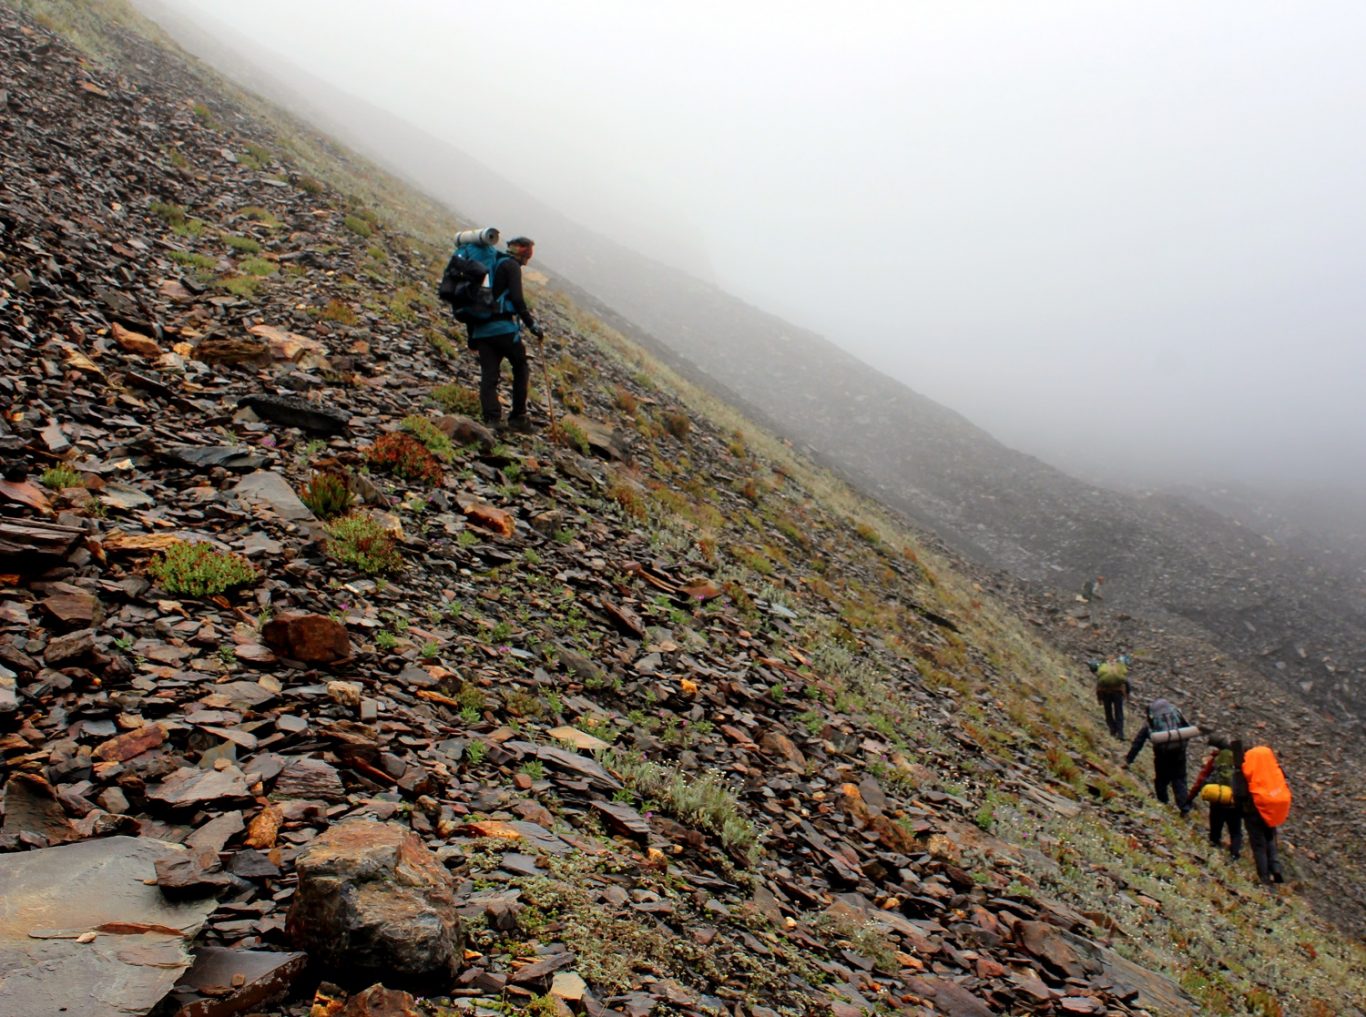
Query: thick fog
1125,237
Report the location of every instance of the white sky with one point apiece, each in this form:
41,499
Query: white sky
1127,237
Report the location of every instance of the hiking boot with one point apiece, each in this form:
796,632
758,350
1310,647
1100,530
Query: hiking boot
500,425
522,425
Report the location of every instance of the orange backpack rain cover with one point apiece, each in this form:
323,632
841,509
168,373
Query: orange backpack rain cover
1265,782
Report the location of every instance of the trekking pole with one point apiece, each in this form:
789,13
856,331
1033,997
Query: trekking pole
549,403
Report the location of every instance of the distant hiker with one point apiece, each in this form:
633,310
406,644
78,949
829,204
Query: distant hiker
1091,589
1112,689
1262,794
1214,783
1169,731
491,309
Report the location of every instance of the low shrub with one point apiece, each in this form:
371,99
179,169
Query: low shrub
327,495
339,311
405,457
197,570
570,435
704,800
201,263
244,244
168,212
629,496
677,423
431,436
358,540
258,214
59,477
358,226
458,399
259,267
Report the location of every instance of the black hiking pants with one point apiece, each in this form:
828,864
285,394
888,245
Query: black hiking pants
1169,771
1114,712
1226,815
1262,838
492,352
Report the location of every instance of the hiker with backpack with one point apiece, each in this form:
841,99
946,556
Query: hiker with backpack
1263,796
1214,784
1112,689
484,289
1169,731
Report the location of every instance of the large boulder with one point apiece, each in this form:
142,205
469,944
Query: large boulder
373,904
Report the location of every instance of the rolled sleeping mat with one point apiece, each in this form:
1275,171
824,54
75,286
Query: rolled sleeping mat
1180,734
488,236
1217,794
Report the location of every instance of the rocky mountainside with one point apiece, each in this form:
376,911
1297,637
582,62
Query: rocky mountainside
304,674
1300,617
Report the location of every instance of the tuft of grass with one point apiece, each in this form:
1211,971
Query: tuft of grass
245,245
167,212
358,226
571,436
358,540
430,435
677,423
455,398
59,477
339,311
201,263
240,285
258,267
256,213
309,185
197,570
704,801
628,495
190,228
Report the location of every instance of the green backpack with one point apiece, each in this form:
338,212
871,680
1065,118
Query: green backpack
1111,676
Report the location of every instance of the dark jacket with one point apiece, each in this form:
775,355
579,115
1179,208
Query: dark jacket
1169,750
506,282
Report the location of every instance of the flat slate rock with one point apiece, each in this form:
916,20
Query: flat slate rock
97,889
291,411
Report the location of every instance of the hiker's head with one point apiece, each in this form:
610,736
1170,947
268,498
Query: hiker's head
521,248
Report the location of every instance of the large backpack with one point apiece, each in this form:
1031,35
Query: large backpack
1219,789
1111,676
467,284
1266,785
1166,726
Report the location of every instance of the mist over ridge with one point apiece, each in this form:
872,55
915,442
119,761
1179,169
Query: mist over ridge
1122,240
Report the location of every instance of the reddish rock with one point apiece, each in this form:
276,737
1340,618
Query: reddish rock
135,342
72,607
487,517
131,743
308,638
70,648
778,744
1047,943
377,1001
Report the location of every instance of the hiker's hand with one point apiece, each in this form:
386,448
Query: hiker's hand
536,330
